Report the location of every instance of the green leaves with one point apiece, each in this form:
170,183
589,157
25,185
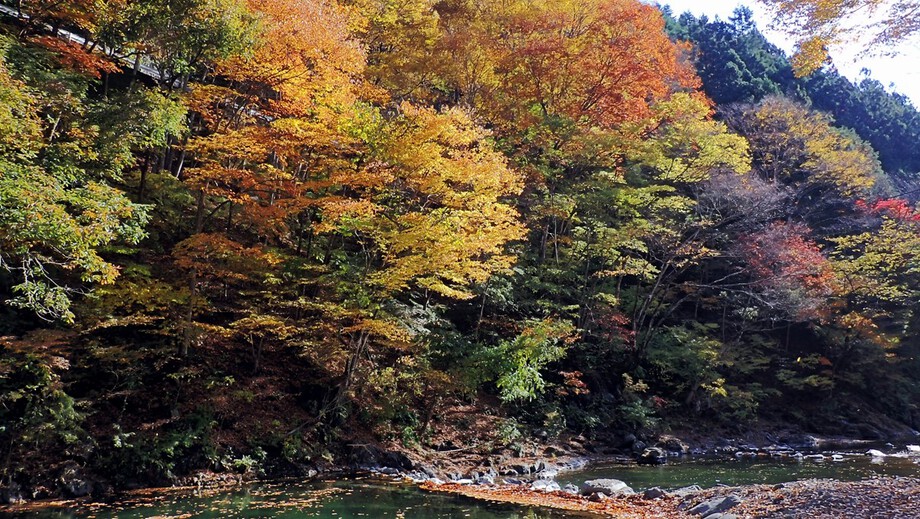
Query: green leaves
55,213
540,344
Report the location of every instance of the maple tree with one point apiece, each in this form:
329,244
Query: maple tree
792,273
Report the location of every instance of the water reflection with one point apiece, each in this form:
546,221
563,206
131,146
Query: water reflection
330,500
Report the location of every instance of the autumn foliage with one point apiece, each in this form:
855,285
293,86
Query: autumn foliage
283,227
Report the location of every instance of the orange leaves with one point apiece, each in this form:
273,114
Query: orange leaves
72,56
305,55
217,257
599,62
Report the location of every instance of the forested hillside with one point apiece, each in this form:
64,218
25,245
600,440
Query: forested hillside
737,64
244,235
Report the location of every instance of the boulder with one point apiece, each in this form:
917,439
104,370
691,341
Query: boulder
875,453
672,444
686,491
570,488
715,506
608,487
485,479
521,469
653,456
11,495
629,440
654,493
75,484
545,485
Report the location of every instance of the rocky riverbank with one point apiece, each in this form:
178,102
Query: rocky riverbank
881,498
531,469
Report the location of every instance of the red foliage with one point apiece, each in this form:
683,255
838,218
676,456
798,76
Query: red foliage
614,327
72,56
897,208
789,269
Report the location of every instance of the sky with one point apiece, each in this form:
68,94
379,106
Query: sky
900,73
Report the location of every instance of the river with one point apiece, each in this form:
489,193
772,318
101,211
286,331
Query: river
377,498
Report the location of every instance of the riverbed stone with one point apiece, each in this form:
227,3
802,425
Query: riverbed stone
686,491
653,456
75,484
875,453
673,444
545,485
11,495
570,488
608,487
716,505
654,493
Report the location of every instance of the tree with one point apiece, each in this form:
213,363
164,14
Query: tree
58,209
819,24
826,168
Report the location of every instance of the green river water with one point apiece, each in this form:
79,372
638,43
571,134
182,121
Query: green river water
370,498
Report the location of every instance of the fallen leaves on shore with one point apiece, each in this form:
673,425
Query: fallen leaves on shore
627,507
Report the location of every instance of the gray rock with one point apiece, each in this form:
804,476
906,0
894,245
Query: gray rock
721,516
672,444
74,484
485,480
597,497
513,481
464,481
815,457
570,488
545,485
686,491
653,456
521,469
875,453
608,487
11,495
654,493
714,506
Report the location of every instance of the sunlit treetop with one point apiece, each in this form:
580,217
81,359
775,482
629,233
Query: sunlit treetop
818,24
